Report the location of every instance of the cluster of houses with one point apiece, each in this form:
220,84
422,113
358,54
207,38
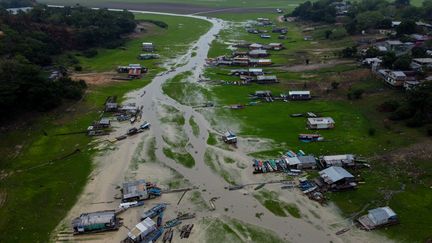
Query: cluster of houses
420,69
252,27
134,71
333,176
257,55
267,95
133,195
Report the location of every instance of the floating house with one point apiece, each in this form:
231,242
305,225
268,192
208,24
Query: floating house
280,30
275,46
258,53
148,47
299,95
111,106
134,73
318,123
96,222
337,178
229,137
263,79
260,62
145,231
148,56
134,191
240,61
255,46
378,217
343,160
301,162
263,93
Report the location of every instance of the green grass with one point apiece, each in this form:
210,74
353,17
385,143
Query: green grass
183,158
211,160
353,120
39,194
218,4
212,139
232,230
195,127
169,42
410,182
279,208
185,91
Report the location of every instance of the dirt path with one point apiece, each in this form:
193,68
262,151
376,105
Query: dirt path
128,159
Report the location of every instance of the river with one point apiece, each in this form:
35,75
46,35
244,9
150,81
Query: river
113,165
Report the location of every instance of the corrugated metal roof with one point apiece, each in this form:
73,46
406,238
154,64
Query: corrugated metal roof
381,215
299,92
100,217
307,159
334,174
320,120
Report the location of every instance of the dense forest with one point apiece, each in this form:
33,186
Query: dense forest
30,41
366,14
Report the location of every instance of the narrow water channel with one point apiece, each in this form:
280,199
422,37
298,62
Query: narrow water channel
242,207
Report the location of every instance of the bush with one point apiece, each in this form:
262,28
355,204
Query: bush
90,53
416,120
403,112
349,52
355,94
335,85
389,106
78,68
372,131
429,131
338,34
157,22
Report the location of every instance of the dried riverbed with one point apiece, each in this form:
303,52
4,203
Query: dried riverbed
142,156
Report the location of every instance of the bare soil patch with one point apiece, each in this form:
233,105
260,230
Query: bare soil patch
95,78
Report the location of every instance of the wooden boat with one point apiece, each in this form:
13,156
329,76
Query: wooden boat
342,231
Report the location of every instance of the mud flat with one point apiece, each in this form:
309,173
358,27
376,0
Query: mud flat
142,156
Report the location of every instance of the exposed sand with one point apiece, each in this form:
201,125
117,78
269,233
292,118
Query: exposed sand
131,160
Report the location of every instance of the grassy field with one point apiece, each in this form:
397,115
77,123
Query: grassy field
38,184
216,4
169,42
402,184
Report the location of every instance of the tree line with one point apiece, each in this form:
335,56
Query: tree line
16,3
30,41
366,14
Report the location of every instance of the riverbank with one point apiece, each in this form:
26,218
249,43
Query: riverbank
38,185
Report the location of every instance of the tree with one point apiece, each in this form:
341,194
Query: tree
338,33
402,63
349,52
406,27
402,3
419,52
388,59
368,20
373,52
